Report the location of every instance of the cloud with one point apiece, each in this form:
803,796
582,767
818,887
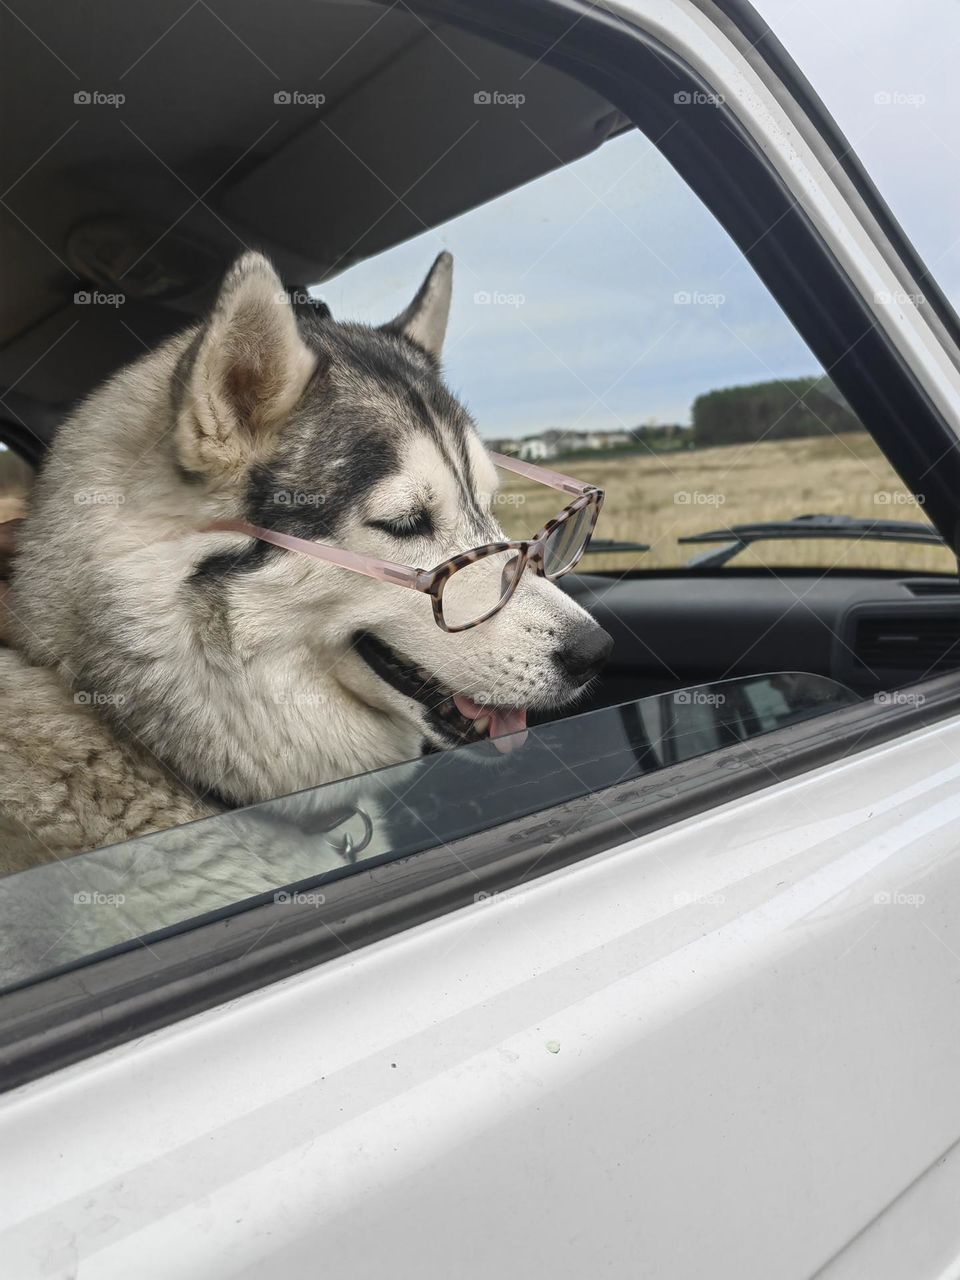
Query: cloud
904,55
566,307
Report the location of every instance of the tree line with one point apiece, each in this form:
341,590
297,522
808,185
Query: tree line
781,410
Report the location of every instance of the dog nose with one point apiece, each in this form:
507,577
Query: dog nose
583,658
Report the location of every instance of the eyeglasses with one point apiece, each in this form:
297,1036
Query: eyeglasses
469,588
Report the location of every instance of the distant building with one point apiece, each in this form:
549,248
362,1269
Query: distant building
542,447
554,443
509,446
537,449
607,439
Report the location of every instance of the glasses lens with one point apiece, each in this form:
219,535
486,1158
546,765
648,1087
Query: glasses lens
474,591
564,546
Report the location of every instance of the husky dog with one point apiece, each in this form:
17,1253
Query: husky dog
164,671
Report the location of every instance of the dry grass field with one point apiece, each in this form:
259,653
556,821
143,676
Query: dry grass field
15,478
656,498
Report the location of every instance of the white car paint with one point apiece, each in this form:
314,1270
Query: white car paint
716,1050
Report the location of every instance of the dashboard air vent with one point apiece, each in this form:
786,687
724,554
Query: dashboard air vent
924,644
933,586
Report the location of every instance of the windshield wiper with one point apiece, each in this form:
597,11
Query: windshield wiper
739,536
597,545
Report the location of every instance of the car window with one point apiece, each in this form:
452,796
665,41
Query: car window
286,850
15,479
605,323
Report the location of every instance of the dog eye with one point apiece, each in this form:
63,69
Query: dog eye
417,524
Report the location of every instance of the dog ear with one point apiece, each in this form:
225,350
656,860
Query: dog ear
248,370
425,320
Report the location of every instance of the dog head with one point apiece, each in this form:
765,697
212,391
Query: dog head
347,435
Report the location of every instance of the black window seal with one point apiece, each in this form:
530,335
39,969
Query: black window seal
73,1015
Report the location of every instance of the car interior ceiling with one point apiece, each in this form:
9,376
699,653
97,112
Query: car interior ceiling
295,182
204,149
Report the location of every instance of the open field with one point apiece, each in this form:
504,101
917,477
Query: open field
656,498
15,477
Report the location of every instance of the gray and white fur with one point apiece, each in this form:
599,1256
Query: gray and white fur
164,672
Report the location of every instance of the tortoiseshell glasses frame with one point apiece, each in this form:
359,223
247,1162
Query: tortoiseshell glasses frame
533,553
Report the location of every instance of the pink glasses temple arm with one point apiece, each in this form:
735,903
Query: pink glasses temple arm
373,567
545,476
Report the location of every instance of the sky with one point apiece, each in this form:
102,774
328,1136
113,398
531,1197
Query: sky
605,295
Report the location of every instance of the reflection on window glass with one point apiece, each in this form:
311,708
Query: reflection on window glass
285,850
604,322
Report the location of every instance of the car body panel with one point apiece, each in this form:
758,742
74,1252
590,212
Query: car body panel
721,1049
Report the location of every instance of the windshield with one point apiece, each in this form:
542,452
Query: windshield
604,323
284,851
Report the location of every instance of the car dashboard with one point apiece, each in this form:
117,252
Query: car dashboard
870,631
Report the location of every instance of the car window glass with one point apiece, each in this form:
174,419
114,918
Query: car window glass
286,850
605,323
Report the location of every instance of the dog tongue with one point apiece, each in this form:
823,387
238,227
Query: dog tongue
503,720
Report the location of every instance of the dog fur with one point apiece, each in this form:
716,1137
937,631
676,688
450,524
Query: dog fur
163,672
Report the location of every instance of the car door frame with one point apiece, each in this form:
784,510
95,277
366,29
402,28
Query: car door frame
894,367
